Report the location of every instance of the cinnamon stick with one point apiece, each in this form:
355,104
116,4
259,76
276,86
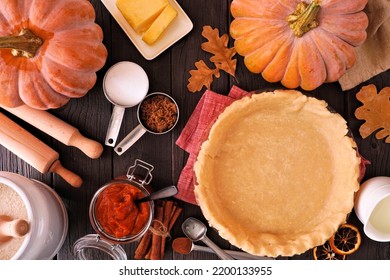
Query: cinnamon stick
175,215
143,246
155,253
147,256
167,217
166,214
173,210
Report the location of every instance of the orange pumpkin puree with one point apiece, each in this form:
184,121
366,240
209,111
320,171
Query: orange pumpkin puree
117,213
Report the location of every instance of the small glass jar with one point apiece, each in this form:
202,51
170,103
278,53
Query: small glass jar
106,201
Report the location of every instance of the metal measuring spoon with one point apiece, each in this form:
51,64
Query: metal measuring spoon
196,231
183,245
163,193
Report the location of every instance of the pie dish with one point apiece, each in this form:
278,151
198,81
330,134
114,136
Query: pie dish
277,174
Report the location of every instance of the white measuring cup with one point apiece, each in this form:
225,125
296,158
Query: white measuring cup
125,85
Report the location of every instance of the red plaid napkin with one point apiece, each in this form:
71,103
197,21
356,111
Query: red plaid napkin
196,131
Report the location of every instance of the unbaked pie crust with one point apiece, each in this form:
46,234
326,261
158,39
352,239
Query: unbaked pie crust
278,173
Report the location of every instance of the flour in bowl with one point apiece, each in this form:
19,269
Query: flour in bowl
11,205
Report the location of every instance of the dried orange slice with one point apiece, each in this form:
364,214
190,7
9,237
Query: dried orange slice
346,240
325,252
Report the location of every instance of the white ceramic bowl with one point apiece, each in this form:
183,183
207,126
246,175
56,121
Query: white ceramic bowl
370,194
47,217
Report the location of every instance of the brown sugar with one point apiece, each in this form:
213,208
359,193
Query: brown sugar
158,113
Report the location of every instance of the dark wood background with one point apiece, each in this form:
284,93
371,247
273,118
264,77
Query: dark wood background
169,73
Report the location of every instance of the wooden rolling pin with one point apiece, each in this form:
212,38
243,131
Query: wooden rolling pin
58,129
33,151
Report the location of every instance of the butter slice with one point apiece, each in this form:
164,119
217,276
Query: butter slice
140,14
159,25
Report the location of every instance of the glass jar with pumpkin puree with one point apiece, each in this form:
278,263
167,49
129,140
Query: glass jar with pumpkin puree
116,216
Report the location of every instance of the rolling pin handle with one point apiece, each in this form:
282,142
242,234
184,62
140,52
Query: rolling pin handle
91,148
70,177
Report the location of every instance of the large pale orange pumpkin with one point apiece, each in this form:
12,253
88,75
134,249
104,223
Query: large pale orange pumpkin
50,51
300,43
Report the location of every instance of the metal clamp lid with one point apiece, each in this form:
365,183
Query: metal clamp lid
83,248
132,174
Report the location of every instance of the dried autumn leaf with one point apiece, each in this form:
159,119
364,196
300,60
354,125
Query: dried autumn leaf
375,111
218,46
203,76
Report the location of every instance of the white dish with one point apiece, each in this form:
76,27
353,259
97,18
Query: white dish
180,26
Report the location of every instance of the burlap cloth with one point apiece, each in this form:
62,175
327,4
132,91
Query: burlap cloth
373,57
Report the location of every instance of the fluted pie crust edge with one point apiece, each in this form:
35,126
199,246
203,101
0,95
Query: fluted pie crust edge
277,174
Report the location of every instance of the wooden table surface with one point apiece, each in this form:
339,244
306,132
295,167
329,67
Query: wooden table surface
169,73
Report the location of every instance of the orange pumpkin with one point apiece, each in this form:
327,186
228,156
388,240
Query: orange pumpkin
300,43
50,51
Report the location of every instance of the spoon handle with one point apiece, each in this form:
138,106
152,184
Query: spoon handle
114,125
163,193
130,139
220,253
238,255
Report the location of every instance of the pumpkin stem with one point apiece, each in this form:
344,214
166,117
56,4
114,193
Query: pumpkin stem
304,17
25,44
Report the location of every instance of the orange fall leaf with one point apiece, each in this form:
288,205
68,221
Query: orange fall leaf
203,76
222,59
218,46
375,111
